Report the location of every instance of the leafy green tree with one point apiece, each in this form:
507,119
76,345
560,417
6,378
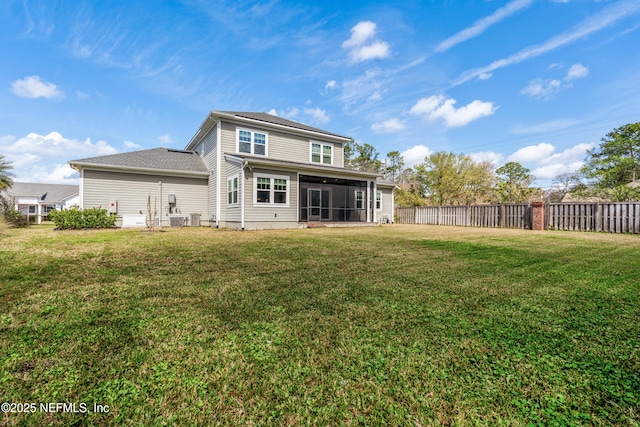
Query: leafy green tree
5,173
514,183
617,160
366,158
454,179
479,178
408,198
395,164
349,150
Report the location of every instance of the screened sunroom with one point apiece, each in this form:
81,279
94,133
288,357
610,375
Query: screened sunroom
325,199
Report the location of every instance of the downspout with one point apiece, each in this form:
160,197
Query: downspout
161,210
81,188
244,164
218,171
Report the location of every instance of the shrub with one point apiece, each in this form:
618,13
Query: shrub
79,219
8,214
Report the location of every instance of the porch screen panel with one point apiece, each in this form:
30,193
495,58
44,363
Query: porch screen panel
337,199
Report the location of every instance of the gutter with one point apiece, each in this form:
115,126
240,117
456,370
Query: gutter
146,171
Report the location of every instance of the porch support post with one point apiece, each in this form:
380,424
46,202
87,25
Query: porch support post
368,201
374,206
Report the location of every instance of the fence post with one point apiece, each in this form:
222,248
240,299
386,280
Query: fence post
501,216
537,216
598,217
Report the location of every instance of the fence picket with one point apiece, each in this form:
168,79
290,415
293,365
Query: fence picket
604,217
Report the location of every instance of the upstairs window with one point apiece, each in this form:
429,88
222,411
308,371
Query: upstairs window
252,142
321,153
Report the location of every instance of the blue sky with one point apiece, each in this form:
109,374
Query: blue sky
538,82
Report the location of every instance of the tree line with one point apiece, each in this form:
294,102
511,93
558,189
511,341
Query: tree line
611,172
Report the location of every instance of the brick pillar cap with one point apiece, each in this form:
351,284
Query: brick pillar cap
537,204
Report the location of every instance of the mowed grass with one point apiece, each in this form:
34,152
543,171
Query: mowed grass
394,325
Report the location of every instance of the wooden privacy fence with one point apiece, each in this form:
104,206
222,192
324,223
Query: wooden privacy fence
509,216
606,217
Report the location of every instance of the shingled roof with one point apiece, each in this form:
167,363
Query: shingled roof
270,118
44,192
162,159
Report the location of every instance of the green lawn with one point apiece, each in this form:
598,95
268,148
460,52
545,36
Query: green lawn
394,325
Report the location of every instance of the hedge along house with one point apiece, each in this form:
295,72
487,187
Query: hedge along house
240,170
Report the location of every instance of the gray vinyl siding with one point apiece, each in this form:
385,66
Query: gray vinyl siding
210,158
270,213
231,213
281,146
132,191
387,206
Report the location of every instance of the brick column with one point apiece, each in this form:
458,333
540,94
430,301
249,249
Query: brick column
537,215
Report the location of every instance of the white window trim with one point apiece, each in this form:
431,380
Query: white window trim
231,178
362,200
380,193
271,204
253,132
322,145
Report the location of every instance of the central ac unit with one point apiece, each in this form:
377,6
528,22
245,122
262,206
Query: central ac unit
176,221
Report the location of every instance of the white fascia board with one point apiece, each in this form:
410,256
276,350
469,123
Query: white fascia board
289,129
309,168
205,127
144,171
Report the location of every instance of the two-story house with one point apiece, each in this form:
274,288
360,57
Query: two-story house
240,170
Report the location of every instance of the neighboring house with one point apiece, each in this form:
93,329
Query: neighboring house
604,196
240,170
37,200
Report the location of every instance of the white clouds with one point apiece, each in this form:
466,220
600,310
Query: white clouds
532,153
437,107
388,126
360,33
490,156
482,25
331,84
312,115
43,158
317,115
132,145
545,127
364,86
546,163
595,23
540,88
362,47
577,71
165,139
34,87
415,155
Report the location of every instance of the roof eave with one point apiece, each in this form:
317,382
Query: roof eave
208,123
308,167
147,171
